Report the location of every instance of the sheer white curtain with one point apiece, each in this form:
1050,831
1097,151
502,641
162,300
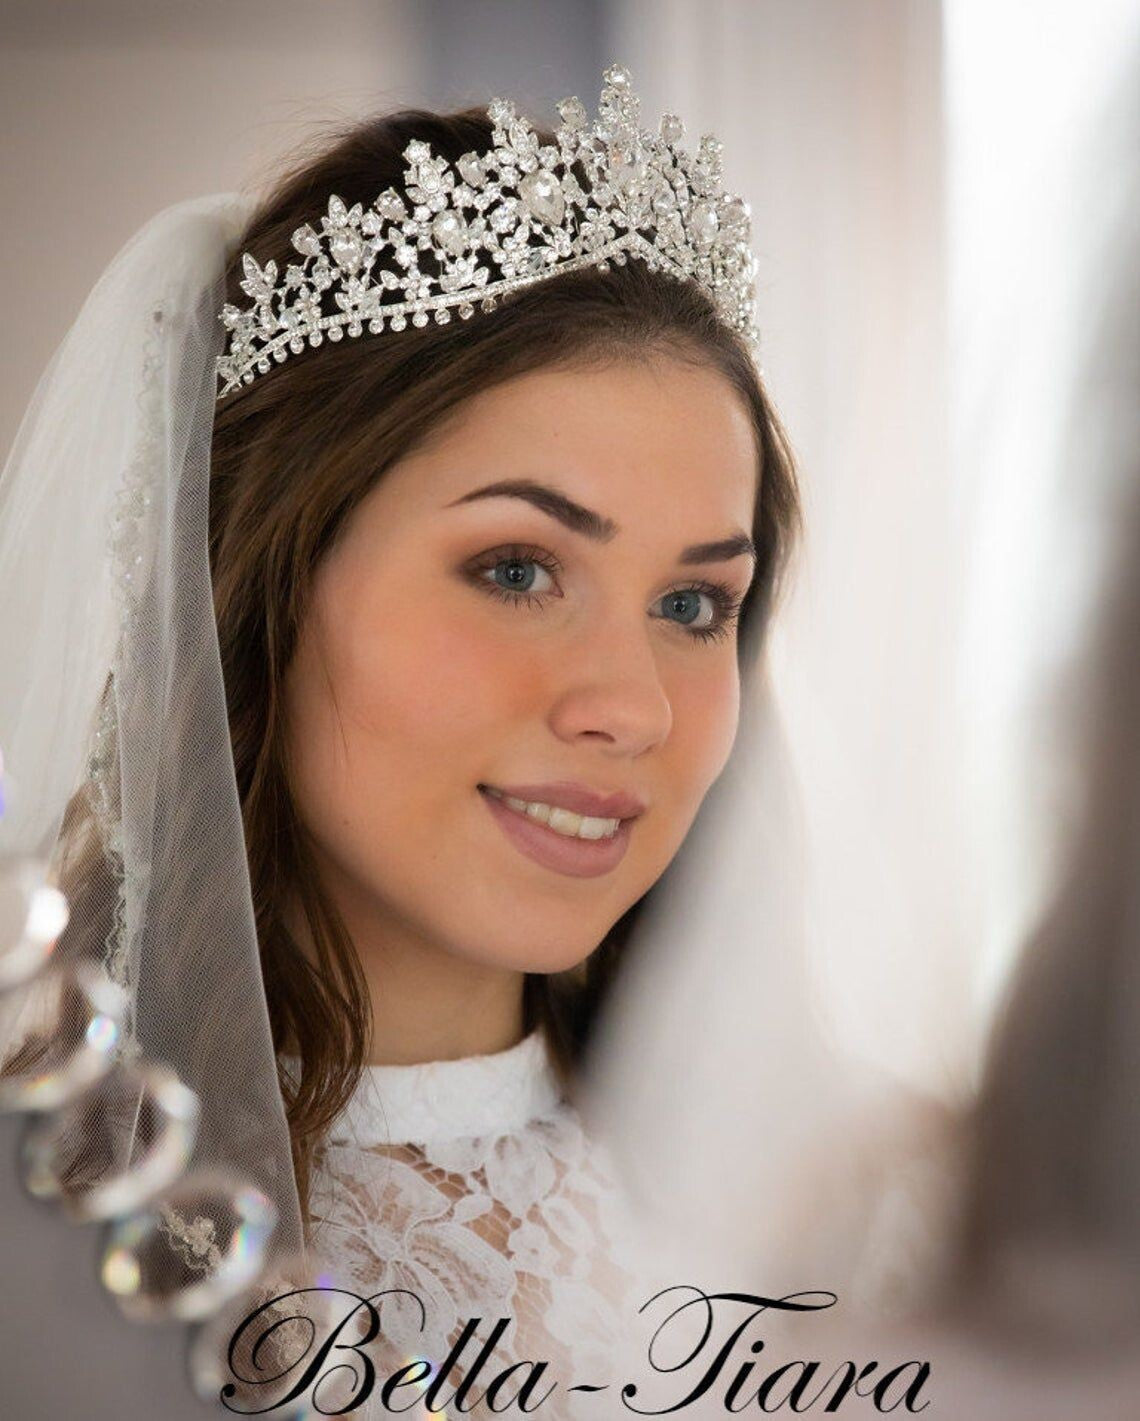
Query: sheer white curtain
1035,183
831,119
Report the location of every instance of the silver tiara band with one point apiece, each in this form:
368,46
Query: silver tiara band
500,222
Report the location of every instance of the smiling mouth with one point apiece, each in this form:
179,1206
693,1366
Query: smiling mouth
573,845
562,821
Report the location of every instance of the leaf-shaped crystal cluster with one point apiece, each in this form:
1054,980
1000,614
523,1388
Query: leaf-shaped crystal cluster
466,235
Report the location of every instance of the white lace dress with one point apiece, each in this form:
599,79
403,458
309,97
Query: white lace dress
472,1184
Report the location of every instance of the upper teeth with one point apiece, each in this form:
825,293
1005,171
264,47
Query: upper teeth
562,821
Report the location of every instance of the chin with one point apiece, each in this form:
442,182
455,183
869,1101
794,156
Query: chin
537,951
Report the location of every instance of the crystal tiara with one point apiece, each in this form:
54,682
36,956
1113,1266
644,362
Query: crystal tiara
498,222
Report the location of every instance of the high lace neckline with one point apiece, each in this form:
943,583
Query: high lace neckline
437,1101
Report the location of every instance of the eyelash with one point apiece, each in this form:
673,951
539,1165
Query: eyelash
726,602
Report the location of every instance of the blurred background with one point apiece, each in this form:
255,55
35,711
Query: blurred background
927,182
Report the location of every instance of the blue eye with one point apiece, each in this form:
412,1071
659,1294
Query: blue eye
706,610
526,576
520,575
685,606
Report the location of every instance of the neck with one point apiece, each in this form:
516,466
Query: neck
428,1003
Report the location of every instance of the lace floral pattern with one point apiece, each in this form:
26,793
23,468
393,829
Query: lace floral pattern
473,1185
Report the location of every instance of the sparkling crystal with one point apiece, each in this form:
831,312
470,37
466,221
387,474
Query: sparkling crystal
703,224
617,76
83,1011
504,217
500,112
390,206
258,283
336,332
419,318
212,1226
32,916
542,196
466,311
672,129
429,180
347,248
417,151
306,241
709,154
523,138
399,322
450,232
471,169
127,1137
735,213
572,112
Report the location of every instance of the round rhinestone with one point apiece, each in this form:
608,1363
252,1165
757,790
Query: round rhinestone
335,332
442,316
399,322
419,318
375,326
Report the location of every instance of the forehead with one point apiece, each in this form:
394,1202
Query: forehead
627,438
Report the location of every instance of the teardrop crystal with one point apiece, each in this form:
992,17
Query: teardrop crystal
572,112
542,196
347,248
703,224
449,229
672,129
189,1251
470,169
113,1147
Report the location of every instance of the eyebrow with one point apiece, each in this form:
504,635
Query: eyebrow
580,519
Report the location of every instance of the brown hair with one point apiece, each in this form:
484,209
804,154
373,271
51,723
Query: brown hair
298,449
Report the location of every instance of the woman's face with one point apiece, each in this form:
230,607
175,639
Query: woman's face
537,603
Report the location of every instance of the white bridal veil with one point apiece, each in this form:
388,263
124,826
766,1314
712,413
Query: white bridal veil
119,778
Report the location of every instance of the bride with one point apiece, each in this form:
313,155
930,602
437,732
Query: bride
485,585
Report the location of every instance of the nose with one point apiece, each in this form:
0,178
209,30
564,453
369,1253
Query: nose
609,690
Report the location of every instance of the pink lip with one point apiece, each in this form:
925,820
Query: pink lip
577,858
578,798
